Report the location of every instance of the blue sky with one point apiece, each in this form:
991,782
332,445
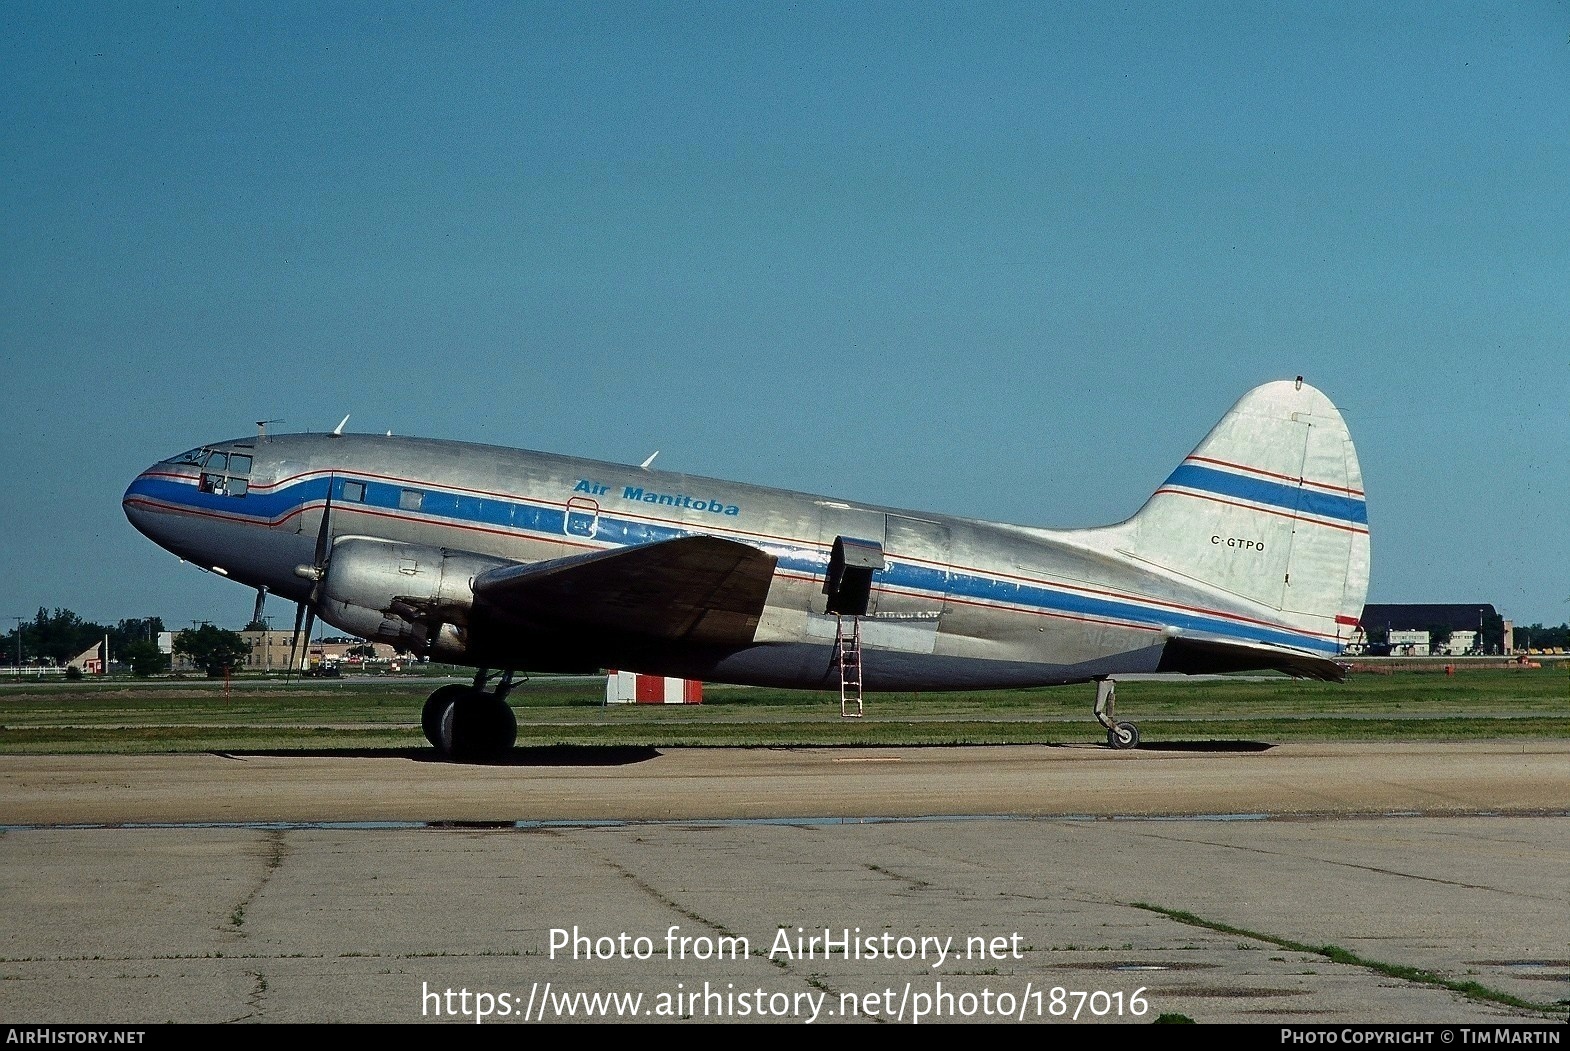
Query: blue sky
1002,260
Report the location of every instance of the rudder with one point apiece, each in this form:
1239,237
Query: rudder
1269,507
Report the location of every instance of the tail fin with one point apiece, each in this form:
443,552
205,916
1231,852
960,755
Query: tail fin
1269,508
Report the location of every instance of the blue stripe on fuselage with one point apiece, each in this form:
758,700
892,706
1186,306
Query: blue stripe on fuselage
1301,499
464,510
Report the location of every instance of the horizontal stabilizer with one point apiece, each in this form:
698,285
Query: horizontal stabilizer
1214,657
700,589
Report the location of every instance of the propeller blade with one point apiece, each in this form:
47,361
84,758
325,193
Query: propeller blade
324,532
305,611
294,643
310,622
261,597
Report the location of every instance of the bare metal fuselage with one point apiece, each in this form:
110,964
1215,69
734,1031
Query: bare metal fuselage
958,603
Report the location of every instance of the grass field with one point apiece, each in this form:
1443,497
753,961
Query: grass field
129,716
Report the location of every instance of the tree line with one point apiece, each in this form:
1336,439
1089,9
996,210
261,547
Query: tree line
1538,637
58,637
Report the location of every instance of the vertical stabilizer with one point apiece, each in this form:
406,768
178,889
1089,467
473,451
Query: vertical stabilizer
1268,508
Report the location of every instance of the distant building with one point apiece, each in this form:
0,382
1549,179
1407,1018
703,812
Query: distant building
1405,629
1404,643
92,661
270,652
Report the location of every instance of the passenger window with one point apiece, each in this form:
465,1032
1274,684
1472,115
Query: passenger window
411,499
354,491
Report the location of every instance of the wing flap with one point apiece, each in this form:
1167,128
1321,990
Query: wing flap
699,589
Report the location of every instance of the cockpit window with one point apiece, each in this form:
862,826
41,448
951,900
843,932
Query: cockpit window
225,474
194,457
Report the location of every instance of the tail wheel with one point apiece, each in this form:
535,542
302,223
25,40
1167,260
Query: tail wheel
1123,735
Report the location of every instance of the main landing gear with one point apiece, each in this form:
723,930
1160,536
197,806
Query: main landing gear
467,723
1119,735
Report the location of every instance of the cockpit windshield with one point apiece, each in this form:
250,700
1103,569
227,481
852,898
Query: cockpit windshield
224,473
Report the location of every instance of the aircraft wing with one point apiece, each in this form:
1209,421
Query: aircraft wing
700,589
1192,656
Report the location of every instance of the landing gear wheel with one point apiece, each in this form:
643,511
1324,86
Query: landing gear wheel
1119,735
435,707
477,727
504,728
1123,735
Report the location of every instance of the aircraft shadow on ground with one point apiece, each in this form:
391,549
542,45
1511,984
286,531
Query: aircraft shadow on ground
1206,746
623,755
543,755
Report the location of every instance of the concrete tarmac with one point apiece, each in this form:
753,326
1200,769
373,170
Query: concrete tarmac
1023,884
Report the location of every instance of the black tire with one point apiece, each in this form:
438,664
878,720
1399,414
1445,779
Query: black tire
436,706
478,727
1122,736
504,728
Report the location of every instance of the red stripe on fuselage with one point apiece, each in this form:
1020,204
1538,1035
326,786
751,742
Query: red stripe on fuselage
1114,595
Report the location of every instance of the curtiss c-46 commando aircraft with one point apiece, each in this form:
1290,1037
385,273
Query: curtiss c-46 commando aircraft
1253,554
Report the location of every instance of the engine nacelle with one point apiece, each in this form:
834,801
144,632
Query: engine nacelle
414,597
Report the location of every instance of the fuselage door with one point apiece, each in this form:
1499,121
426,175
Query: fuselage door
848,582
919,552
853,537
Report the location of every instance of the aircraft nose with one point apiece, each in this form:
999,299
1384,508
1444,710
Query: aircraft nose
134,503
149,499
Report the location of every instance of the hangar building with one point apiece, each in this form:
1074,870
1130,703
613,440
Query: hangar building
1408,628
